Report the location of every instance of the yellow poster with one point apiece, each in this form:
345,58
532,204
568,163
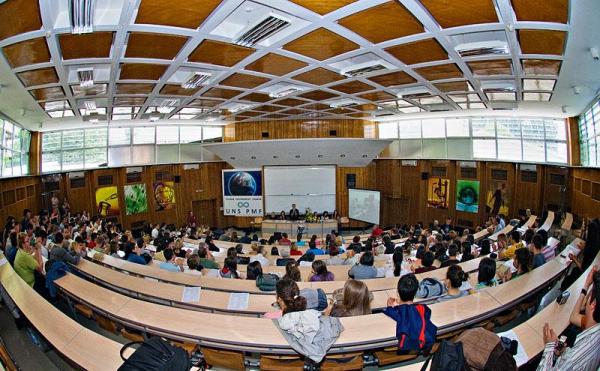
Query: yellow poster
107,201
438,193
164,195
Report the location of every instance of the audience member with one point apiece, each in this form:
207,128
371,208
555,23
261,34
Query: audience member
365,269
320,272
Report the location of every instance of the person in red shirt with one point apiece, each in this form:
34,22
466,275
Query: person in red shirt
191,220
284,240
294,250
377,231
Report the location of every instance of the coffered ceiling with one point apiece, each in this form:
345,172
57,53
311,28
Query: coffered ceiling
142,51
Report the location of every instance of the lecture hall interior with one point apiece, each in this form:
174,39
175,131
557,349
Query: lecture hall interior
299,185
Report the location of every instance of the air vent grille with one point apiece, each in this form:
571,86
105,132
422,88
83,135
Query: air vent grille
262,30
196,80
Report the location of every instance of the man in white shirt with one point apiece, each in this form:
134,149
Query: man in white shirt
334,258
155,232
260,257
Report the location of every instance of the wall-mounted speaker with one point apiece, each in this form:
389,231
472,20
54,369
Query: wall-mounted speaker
424,176
333,133
177,178
265,134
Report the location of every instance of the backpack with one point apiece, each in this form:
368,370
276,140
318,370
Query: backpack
449,357
429,288
155,354
414,329
484,350
267,282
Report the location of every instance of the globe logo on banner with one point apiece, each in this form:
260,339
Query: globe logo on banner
242,193
241,184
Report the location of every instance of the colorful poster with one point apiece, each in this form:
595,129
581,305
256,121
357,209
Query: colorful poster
467,196
136,201
107,201
438,193
164,195
242,192
498,196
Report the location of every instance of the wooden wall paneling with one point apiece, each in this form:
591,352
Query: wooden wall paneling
229,133
573,141
471,220
555,196
510,186
83,198
35,153
288,129
582,203
429,213
365,179
21,199
529,195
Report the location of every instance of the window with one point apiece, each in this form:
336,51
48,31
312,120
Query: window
556,152
508,128
72,139
533,151
556,129
509,149
51,141
51,162
388,130
143,135
119,136
589,135
72,160
94,157
191,134
484,148
457,128
96,138
14,149
167,134
434,128
410,129
483,128
212,134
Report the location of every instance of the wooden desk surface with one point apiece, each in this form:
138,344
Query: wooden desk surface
68,337
506,230
548,222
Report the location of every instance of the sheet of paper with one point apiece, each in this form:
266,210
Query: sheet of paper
3,261
521,357
238,301
191,294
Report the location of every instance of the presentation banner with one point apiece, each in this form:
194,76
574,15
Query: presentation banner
242,192
467,196
438,193
135,199
107,201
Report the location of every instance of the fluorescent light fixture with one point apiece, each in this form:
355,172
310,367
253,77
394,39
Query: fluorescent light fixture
85,77
238,107
411,93
94,120
191,111
500,95
56,105
537,97
262,29
363,68
82,16
154,118
342,103
284,92
90,106
168,105
494,47
195,80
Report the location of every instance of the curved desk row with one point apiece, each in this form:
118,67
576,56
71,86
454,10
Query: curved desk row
548,222
69,338
262,335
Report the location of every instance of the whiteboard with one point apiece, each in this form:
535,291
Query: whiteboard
306,186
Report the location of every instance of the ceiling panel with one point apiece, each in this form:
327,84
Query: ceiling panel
142,71
91,45
129,101
53,93
171,89
316,106
275,64
365,107
393,21
38,77
541,67
242,80
186,14
322,6
204,103
490,68
454,13
542,10
441,72
293,111
393,79
418,52
290,102
219,53
319,76
128,89
352,87
542,41
320,44
377,96
447,87
27,52
256,97
221,93
153,45
19,16
318,95
267,108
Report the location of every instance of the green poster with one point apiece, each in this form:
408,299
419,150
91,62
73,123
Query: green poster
467,196
135,199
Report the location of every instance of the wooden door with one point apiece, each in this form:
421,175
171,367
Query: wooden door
205,211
